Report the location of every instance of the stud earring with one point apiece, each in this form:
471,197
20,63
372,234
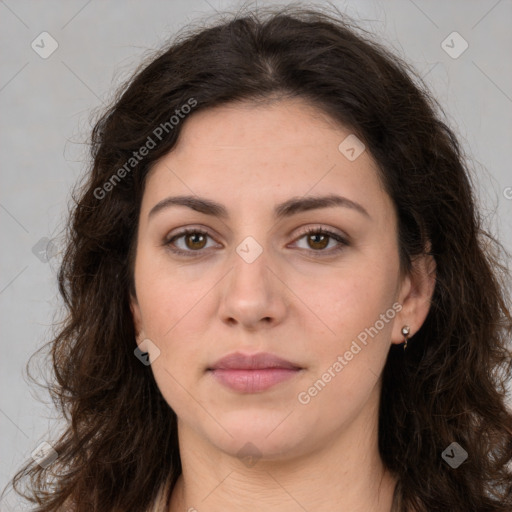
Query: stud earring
405,333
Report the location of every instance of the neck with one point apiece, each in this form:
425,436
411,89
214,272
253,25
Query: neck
344,474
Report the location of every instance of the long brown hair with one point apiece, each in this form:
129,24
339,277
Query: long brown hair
120,446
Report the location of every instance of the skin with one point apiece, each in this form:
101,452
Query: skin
322,455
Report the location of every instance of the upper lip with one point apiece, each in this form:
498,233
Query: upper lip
239,361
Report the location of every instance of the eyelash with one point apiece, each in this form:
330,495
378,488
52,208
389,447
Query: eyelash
310,231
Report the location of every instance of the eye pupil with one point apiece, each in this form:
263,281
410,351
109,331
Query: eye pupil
322,242
195,236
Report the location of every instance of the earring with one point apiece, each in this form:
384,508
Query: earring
405,333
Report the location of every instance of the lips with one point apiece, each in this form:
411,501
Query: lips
252,373
262,360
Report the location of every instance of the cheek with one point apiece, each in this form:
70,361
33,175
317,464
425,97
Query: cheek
347,365
169,295
351,298
359,307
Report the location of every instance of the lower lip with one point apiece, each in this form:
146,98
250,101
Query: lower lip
253,381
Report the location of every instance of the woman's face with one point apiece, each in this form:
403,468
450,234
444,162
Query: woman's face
256,282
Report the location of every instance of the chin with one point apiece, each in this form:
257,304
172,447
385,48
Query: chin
256,448
260,434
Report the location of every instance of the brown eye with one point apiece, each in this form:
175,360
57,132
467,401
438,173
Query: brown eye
195,240
190,241
318,241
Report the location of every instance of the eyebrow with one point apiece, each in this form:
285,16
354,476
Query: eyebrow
286,209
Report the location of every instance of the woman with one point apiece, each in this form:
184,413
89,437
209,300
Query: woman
280,294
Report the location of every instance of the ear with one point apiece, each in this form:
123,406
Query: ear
137,316
415,296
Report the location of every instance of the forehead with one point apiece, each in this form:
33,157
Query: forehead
274,150
250,124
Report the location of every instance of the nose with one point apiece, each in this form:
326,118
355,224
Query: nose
253,294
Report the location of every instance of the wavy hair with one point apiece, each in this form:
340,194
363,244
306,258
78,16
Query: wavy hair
120,445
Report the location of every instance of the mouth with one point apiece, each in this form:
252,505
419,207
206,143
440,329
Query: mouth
252,373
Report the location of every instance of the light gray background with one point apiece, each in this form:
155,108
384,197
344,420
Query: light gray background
46,104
